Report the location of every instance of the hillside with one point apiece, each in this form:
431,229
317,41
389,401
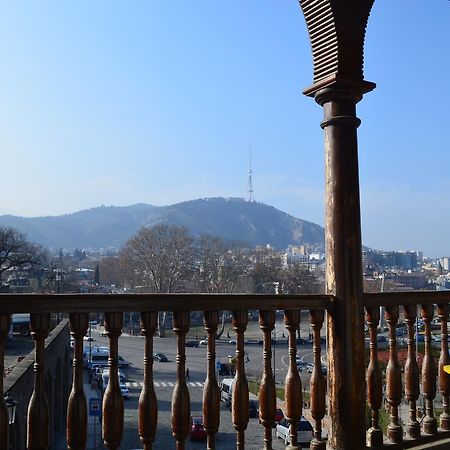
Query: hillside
233,218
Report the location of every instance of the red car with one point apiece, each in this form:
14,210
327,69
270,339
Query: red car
197,431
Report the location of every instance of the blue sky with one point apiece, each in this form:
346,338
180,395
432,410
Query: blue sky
115,103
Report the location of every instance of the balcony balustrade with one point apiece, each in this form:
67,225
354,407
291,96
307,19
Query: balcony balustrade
383,391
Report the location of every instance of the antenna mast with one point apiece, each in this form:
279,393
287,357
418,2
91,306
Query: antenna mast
250,182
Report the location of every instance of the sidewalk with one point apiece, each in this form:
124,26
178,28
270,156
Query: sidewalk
94,431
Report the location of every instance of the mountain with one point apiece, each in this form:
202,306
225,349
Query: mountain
231,218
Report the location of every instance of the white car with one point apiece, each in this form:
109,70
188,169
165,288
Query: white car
125,391
305,431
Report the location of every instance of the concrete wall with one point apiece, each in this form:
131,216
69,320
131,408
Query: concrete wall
19,385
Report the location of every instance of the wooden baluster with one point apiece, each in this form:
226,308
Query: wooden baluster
393,378
4,417
148,406
180,397
38,423
374,380
211,393
293,384
112,400
429,374
412,388
444,378
239,400
267,392
317,382
77,405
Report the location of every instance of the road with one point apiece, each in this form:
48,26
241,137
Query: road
131,348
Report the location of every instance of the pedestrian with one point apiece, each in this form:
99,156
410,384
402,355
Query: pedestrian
187,374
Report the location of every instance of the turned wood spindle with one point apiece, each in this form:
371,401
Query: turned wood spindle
412,388
180,397
4,417
211,393
38,418
374,381
112,400
293,384
239,400
429,373
77,406
317,382
267,392
444,359
148,406
393,378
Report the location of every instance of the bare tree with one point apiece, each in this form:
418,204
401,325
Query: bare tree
297,278
17,252
221,264
267,270
161,256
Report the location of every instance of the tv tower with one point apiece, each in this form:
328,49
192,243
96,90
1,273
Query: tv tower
250,182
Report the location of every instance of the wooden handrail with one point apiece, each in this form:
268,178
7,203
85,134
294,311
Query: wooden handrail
47,303
406,298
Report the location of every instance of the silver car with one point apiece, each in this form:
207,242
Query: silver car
304,430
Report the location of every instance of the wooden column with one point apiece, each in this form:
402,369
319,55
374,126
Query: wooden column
374,381
113,400
318,383
239,400
429,374
344,277
211,393
412,388
393,378
267,392
180,397
293,385
77,405
148,406
444,359
4,418
38,418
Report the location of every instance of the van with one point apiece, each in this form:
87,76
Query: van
226,390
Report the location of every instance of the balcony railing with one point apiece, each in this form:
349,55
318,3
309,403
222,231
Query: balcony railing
381,391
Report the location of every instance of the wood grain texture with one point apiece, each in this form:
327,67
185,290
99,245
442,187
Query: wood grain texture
293,385
38,418
412,388
180,397
239,400
317,382
267,391
76,431
211,393
429,374
112,400
148,405
393,378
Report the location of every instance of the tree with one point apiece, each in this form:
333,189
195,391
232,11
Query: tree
161,257
298,279
266,271
17,252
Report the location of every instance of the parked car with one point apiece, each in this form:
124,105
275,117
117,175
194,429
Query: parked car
279,416
197,431
204,342
122,363
305,431
191,343
88,338
125,391
161,357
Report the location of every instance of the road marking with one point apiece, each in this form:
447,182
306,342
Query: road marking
156,384
191,384
163,384
135,385
199,384
171,384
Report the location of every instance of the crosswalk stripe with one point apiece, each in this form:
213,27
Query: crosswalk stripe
171,384
163,384
135,385
191,384
156,384
199,384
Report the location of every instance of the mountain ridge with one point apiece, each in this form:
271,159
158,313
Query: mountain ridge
110,226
